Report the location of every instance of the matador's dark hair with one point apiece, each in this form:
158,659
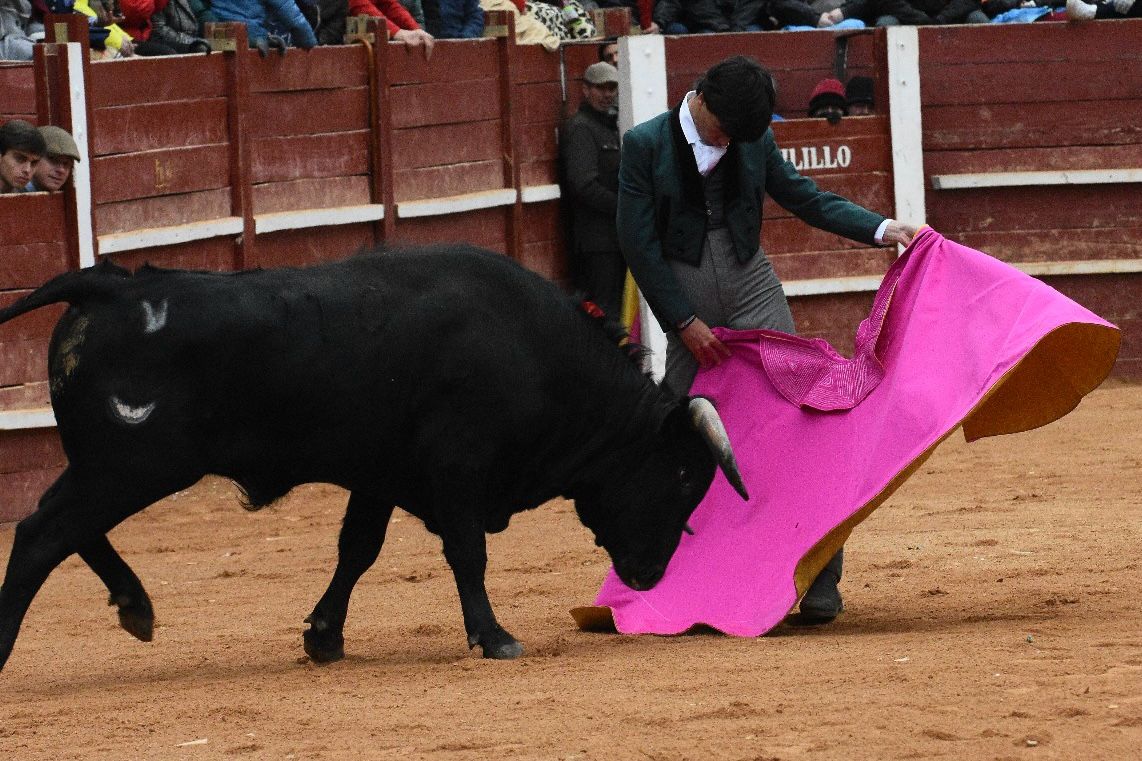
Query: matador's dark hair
740,93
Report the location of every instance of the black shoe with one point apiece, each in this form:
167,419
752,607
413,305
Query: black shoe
822,603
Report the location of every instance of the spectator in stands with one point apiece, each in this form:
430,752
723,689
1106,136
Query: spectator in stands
21,146
858,96
827,100
179,25
107,38
454,19
59,157
907,12
566,19
415,9
1077,10
641,13
701,16
18,31
609,52
528,29
137,22
269,24
402,26
589,151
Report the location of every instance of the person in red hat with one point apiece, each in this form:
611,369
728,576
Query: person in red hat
827,100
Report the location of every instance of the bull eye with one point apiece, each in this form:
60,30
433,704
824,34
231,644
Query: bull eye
684,474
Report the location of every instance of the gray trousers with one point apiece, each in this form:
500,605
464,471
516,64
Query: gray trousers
725,293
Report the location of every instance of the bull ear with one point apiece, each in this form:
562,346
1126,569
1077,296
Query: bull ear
706,421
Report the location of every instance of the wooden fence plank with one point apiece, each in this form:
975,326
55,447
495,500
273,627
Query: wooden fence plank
162,211
281,159
1084,45
22,491
160,172
307,112
29,265
18,86
1033,159
444,103
1034,208
452,61
1020,125
451,180
325,67
1058,82
31,218
156,79
446,144
150,126
214,254
298,248
311,193
482,227
1077,244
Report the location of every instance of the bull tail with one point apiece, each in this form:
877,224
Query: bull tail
98,283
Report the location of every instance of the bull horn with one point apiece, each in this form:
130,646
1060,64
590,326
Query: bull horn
706,421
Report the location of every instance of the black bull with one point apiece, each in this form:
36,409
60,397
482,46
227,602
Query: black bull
449,381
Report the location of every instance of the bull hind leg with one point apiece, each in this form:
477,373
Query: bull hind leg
362,534
69,519
465,549
136,615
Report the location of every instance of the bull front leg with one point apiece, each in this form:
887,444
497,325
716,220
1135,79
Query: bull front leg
362,534
465,549
136,615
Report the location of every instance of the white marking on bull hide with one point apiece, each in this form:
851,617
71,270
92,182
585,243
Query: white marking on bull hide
155,319
128,414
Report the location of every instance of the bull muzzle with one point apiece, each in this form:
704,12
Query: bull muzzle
706,421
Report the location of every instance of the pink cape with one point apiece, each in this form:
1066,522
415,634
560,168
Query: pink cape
955,338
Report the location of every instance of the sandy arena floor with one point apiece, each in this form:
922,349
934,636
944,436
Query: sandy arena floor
993,613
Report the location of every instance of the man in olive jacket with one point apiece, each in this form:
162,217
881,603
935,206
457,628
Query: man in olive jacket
691,185
590,155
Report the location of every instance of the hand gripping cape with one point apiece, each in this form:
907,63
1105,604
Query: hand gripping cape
955,339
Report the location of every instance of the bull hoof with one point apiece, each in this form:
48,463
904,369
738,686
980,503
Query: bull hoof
497,644
137,619
507,651
321,644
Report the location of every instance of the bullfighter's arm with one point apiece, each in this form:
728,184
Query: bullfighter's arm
638,233
801,196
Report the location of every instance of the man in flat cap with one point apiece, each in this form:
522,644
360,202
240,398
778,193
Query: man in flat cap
590,154
59,157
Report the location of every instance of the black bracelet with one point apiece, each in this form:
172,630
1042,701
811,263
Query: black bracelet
686,323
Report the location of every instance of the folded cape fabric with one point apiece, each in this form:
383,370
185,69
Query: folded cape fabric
955,338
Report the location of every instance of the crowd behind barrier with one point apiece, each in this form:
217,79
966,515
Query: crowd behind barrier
125,28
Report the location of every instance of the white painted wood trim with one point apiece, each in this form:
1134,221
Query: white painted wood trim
642,79
81,171
642,96
1082,267
905,124
303,218
431,207
1053,177
536,193
165,236
35,417
826,286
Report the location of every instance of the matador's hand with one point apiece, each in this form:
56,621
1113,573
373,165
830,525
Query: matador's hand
703,344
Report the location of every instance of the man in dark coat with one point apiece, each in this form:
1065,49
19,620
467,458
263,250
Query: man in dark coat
691,185
590,155
694,16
